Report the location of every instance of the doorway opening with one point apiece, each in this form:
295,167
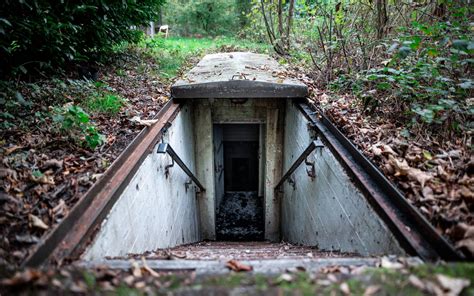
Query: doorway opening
237,163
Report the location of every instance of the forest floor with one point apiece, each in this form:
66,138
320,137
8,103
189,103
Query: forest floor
48,164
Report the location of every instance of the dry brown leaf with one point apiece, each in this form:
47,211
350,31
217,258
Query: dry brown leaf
147,268
416,282
419,176
37,222
136,270
129,280
467,245
53,163
344,287
12,149
21,277
238,266
60,208
43,179
387,263
79,287
145,122
8,173
371,290
140,285
387,149
377,151
285,277
403,169
453,286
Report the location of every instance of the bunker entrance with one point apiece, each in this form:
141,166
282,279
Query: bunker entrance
239,203
237,161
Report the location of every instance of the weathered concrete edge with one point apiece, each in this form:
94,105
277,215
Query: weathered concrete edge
234,89
218,267
53,247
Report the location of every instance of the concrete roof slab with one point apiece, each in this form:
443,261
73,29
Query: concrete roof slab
238,75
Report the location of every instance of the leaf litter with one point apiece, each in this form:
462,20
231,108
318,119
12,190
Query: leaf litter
435,173
42,173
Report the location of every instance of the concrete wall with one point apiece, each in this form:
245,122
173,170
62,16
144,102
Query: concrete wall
328,212
154,211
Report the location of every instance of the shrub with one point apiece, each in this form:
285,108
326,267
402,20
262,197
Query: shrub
47,34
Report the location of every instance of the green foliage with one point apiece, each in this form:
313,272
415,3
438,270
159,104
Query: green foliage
106,103
203,17
428,70
37,35
76,123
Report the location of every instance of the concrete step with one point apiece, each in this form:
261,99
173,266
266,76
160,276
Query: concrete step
218,267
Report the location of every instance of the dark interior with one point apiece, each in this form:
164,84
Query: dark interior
241,166
240,214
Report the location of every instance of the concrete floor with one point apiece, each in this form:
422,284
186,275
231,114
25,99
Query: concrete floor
222,250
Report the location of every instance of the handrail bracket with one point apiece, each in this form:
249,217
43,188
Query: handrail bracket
166,148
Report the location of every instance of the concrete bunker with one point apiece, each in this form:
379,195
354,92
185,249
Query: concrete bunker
237,132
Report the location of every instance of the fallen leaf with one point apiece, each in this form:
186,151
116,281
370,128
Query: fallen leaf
371,290
377,151
403,169
419,175
136,270
427,155
285,277
12,149
79,287
387,149
140,285
8,173
147,268
52,163
467,245
37,222
22,277
43,179
416,282
453,286
145,122
387,263
129,280
344,287
238,266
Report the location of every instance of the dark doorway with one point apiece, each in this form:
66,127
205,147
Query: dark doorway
239,208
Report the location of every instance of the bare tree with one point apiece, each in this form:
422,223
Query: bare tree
280,39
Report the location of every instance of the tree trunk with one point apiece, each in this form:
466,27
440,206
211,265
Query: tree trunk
288,24
382,17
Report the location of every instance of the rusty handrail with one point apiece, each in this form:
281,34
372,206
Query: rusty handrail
313,145
166,148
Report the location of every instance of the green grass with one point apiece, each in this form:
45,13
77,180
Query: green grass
106,104
172,53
